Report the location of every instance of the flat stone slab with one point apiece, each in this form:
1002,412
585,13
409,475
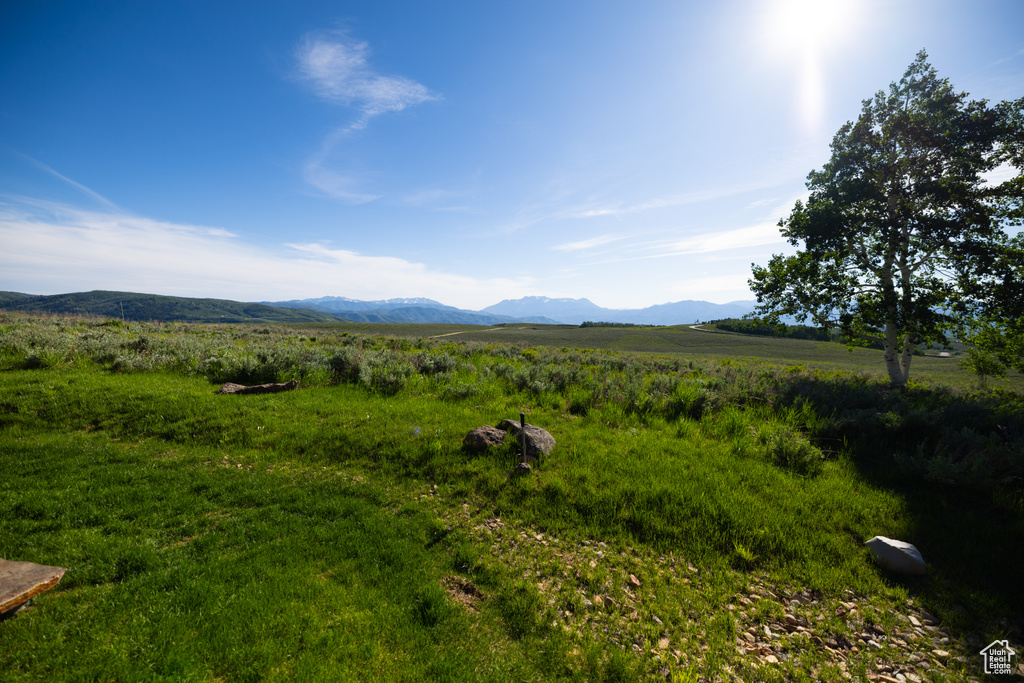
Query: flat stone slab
22,581
273,388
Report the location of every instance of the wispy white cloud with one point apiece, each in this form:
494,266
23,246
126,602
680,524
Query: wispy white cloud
717,242
51,247
750,236
767,201
438,199
594,209
333,183
565,204
588,244
337,69
674,200
1008,58
78,186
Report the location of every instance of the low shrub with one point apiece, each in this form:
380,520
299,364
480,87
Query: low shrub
579,401
428,363
790,449
689,400
346,365
385,374
459,391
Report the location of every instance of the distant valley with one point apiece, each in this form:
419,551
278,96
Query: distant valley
532,309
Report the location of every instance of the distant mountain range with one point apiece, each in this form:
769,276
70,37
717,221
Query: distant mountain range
576,311
415,310
531,309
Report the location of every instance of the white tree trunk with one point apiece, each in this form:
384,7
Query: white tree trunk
908,355
896,363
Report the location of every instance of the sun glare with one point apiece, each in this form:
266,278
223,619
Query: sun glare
808,24
802,33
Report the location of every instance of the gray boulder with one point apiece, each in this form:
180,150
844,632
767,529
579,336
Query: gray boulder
482,438
898,557
538,441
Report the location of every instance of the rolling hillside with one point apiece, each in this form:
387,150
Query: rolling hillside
154,307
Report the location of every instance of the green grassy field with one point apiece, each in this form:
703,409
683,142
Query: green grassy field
702,515
702,341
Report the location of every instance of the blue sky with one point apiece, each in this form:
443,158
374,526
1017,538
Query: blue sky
631,153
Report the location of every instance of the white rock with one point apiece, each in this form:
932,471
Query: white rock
897,556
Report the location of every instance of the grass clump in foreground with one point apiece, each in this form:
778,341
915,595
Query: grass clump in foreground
340,531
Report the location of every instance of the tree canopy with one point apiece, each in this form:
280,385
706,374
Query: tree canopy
902,239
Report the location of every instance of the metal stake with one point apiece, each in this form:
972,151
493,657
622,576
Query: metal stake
522,437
